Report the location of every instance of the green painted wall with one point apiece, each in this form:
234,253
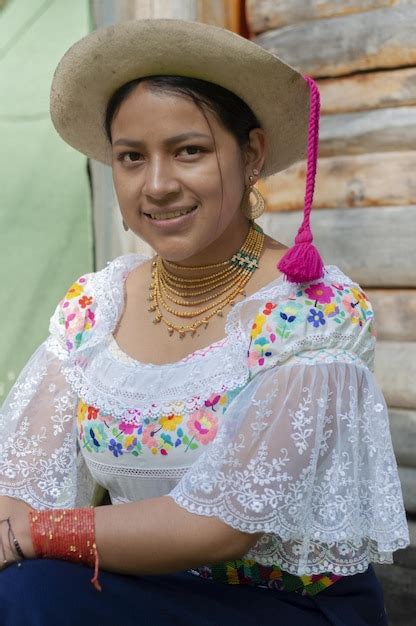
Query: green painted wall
45,205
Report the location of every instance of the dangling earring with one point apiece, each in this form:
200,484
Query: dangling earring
125,226
252,211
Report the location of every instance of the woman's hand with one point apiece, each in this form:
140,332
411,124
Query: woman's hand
18,513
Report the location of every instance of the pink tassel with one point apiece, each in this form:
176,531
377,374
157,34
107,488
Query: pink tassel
303,263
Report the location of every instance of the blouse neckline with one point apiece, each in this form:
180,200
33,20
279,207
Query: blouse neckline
119,354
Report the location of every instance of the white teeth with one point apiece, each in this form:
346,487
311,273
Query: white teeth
167,216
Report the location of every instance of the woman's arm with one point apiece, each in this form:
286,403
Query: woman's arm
157,536
153,536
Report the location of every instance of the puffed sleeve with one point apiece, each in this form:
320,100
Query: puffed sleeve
37,426
305,453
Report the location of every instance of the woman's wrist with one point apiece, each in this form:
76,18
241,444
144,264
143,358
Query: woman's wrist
67,534
15,538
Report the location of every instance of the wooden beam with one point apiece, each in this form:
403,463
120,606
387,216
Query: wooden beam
266,14
403,432
380,130
395,370
395,313
369,90
342,45
374,245
375,179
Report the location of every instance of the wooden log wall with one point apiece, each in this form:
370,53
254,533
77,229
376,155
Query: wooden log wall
362,55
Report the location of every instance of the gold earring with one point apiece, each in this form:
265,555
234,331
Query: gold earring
125,226
252,211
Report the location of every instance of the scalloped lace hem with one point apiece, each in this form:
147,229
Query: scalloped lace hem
317,553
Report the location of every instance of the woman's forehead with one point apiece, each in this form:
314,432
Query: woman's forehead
147,111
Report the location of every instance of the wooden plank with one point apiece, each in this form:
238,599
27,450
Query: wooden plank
376,39
265,14
374,245
368,90
380,130
395,313
403,433
395,370
408,480
375,179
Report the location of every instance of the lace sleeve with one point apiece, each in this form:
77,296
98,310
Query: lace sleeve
305,456
37,433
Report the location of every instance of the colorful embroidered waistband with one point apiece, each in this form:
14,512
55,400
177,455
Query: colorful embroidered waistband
249,572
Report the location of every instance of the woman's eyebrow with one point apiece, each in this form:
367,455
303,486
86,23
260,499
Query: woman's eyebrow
168,142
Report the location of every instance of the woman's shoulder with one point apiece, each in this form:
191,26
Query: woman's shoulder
92,303
332,312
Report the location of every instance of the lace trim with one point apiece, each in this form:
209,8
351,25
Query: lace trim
119,355
183,385
136,472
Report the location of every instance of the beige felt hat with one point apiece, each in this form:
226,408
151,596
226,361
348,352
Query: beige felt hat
98,64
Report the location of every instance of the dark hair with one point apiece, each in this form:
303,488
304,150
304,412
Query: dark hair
234,114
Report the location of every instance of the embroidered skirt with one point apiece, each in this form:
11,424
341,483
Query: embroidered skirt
46,592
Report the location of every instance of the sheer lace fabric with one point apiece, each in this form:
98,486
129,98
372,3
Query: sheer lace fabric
303,450
37,436
306,457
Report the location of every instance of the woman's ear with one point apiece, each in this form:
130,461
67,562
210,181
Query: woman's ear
255,152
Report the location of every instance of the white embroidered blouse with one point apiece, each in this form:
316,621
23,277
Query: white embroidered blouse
278,428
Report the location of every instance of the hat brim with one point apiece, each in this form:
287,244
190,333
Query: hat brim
98,64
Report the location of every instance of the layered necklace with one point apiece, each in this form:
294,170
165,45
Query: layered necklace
227,282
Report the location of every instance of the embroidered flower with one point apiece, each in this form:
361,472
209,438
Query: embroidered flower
130,442
92,413
95,437
320,293
257,325
89,320
361,297
170,422
268,308
316,318
289,312
74,291
74,321
82,410
351,306
203,425
331,309
127,428
85,301
115,447
148,438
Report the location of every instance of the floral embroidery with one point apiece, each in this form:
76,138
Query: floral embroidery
316,318
203,426
75,290
319,305
76,314
135,433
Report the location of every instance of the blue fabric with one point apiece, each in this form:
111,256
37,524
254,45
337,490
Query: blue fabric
50,592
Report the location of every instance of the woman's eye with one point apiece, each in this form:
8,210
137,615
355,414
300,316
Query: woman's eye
132,157
192,150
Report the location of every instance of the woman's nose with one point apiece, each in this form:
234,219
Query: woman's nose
160,179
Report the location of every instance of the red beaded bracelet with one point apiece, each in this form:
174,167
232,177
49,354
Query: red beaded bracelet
67,534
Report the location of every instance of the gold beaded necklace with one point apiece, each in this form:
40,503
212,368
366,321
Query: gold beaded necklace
231,276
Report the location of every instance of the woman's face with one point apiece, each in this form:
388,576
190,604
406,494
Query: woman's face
165,160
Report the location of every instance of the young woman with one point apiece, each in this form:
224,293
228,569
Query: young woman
227,405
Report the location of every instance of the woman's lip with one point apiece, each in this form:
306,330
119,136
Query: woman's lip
173,221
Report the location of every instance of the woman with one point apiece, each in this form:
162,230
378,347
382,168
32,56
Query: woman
232,414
